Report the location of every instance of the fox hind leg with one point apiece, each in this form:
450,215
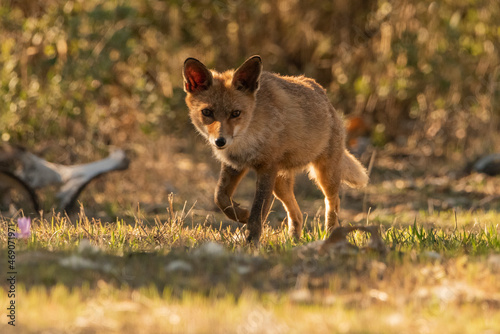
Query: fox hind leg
283,190
327,175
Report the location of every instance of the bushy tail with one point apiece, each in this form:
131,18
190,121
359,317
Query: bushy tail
353,172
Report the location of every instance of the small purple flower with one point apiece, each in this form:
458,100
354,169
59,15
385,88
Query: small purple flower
24,224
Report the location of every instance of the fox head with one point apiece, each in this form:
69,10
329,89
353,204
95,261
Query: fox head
221,105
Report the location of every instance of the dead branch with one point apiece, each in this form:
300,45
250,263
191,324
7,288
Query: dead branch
338,239
35,172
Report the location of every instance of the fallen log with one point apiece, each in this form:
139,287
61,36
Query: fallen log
9,182
32,172
338,239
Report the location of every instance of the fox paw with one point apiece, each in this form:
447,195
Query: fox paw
253,236
237,213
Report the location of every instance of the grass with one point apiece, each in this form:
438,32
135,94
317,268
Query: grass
179,274
421,75
170,266
108,310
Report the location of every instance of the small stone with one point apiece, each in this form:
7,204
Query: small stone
179,265
85,247
210,249
494,261
243,270
432,255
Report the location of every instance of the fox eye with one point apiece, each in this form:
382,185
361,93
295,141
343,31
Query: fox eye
235,113
207,112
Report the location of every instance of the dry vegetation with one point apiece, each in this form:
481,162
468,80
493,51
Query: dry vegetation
155,276
79,77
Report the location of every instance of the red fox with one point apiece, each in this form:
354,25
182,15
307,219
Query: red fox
276,125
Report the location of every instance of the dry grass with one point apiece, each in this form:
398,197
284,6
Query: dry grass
111,310
78,77
177,274
135,258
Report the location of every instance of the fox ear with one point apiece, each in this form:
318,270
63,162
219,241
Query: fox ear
246,77
197,77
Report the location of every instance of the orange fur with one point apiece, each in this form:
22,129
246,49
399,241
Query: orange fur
275,125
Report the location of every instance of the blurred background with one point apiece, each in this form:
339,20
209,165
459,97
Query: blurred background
416,80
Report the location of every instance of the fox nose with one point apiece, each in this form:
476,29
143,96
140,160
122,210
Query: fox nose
220,142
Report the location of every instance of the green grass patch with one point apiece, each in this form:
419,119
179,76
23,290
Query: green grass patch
173,275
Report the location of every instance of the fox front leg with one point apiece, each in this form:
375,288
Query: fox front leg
228,181
262,203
